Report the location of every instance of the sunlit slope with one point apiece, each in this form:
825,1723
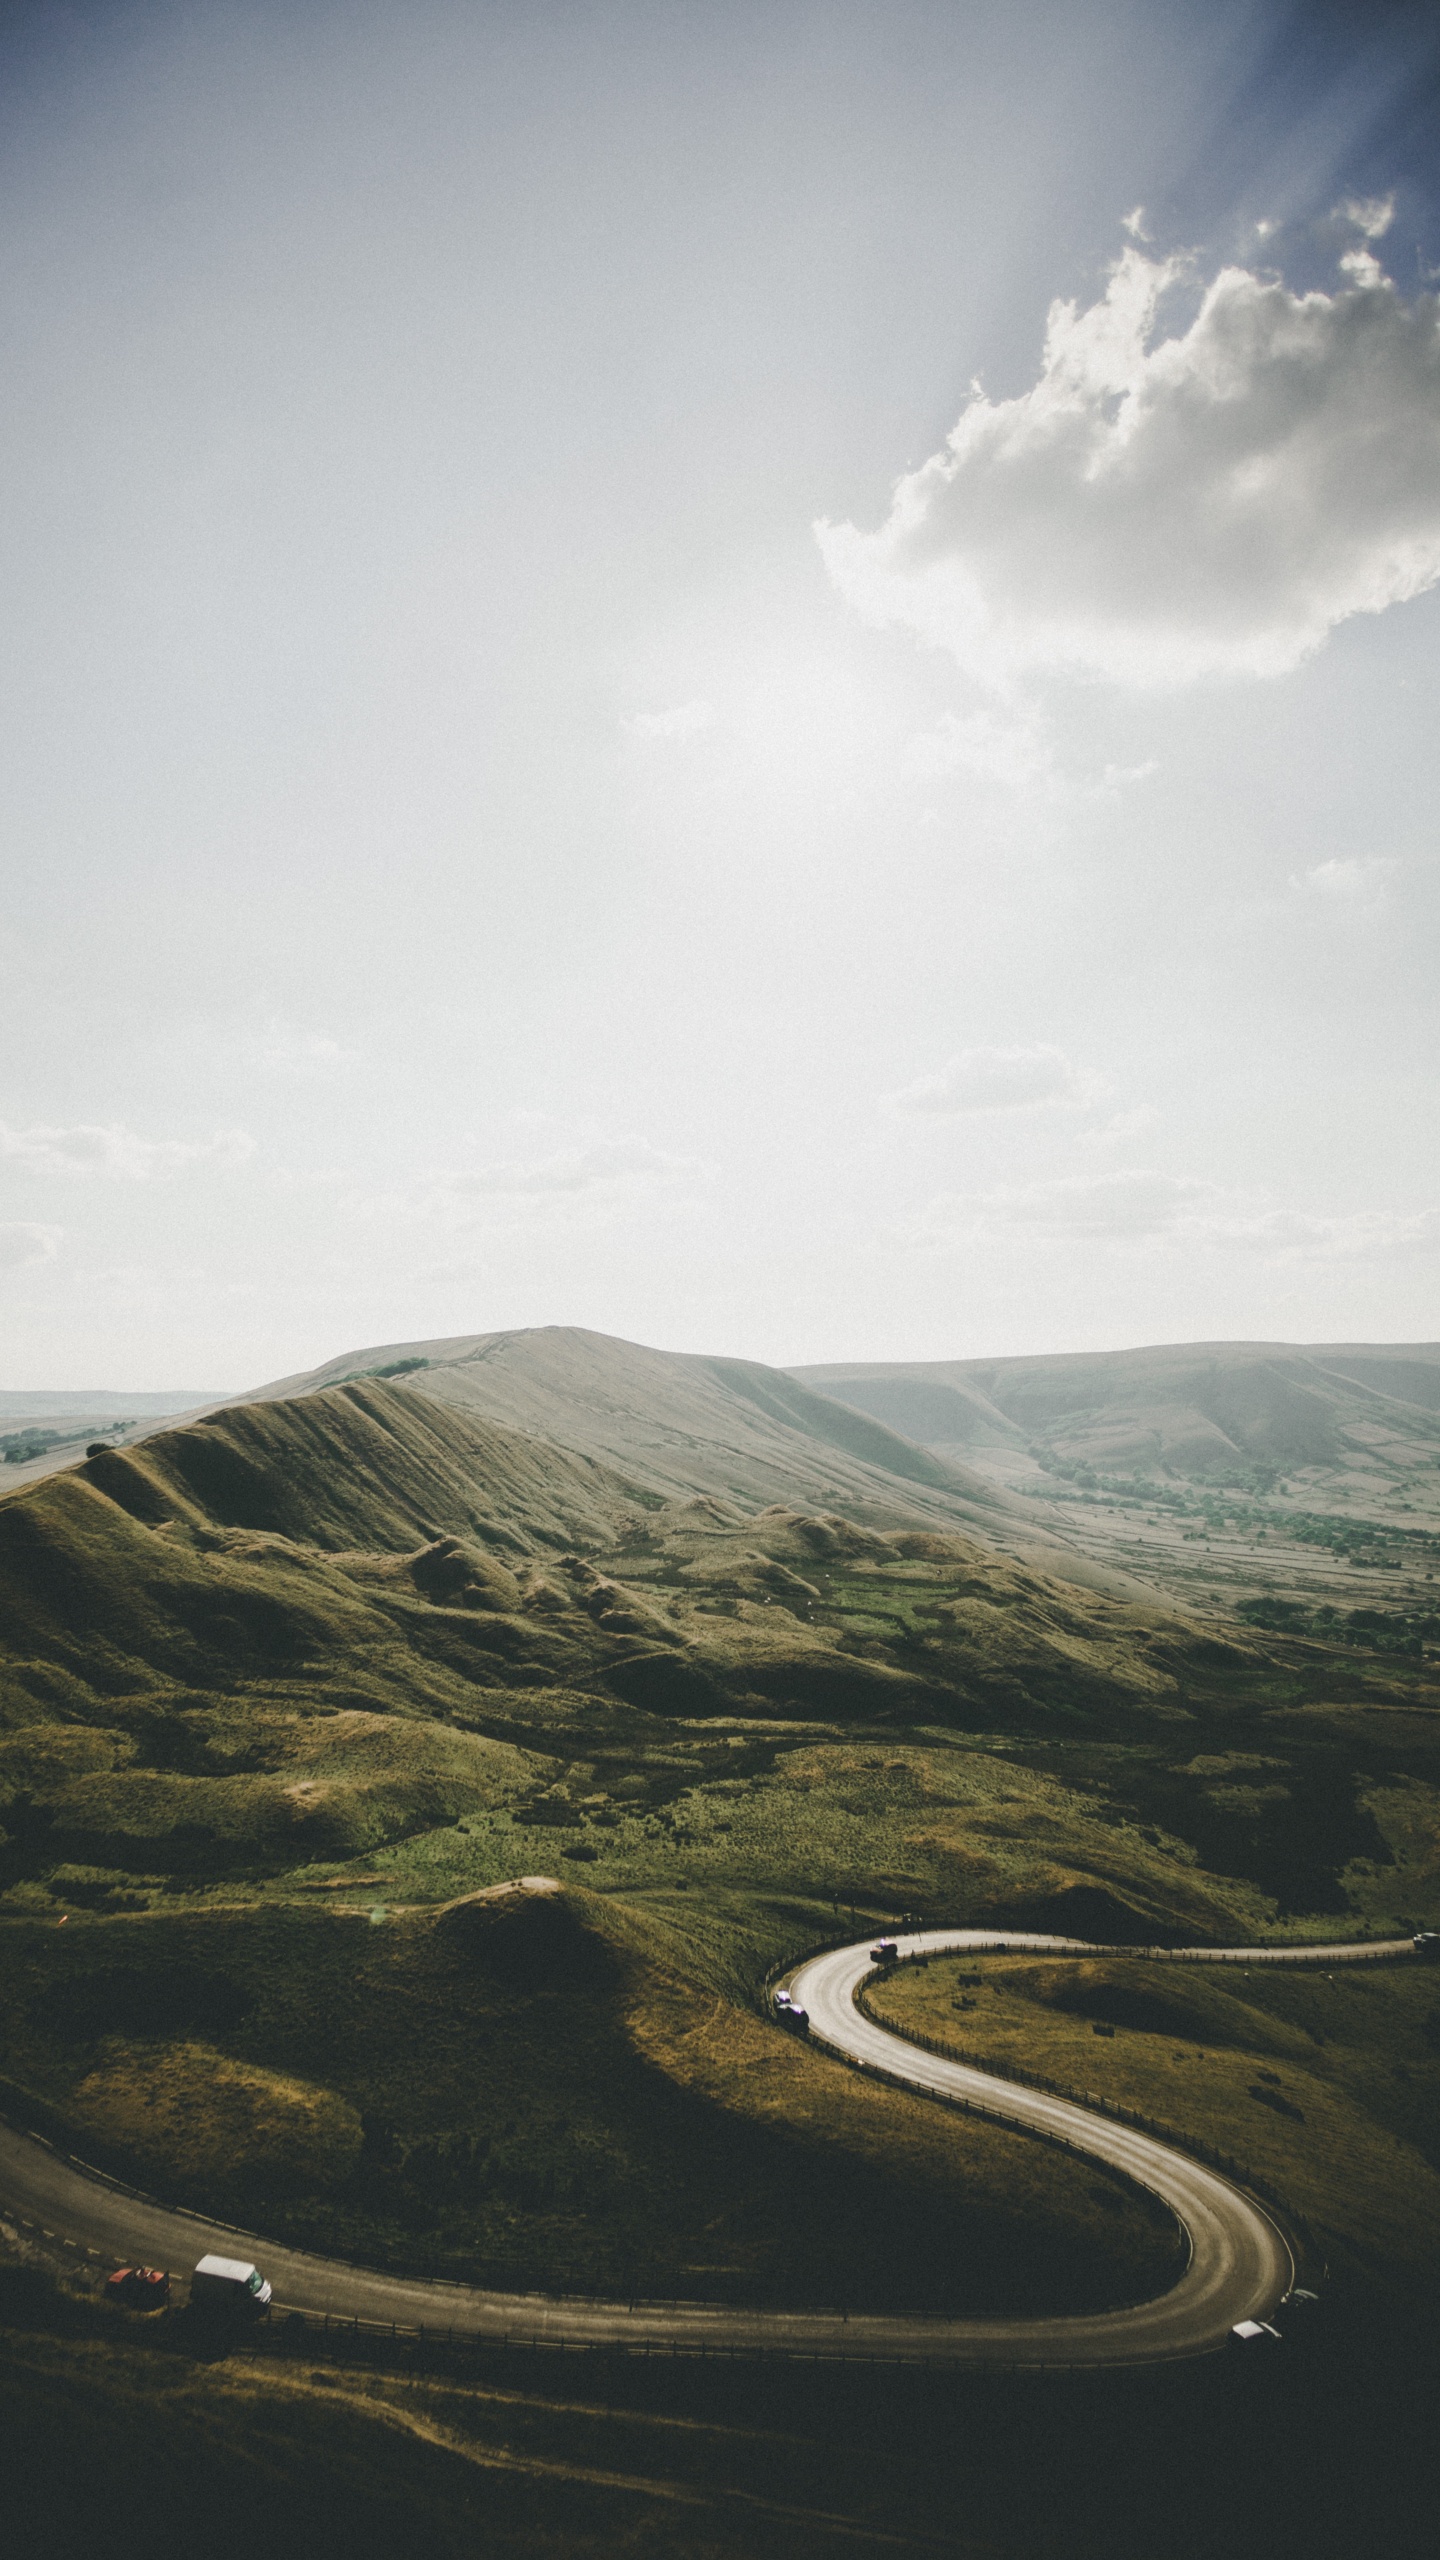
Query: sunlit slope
314,1627
679,1423
525,2088
1216,1412
363,1466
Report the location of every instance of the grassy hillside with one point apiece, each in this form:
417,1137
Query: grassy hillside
279,1687
1259,1478
1343,1419
678,1424
528,2088
309,2451
354,1628
1326,2086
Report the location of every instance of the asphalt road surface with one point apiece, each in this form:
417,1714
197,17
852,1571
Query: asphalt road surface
1239,2265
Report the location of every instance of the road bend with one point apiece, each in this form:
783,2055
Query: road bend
1239,2265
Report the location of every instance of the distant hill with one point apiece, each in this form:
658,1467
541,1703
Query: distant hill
78,1404
44,1428
1328,1416
675,1424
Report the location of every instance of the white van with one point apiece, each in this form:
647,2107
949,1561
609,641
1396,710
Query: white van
229,2284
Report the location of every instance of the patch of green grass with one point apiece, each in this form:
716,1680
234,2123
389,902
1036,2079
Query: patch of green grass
1326,2087
543,2097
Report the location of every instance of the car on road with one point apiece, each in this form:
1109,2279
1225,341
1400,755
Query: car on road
885,1951
788,2013
138,2288
1254,2333
1427,1945
231,2287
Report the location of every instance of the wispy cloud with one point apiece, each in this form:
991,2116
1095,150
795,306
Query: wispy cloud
1369,215
1138,1207
1005,744
117,1154
1344,882
287,1052
1157,510
682,720
22,1244
999,1080
608,1164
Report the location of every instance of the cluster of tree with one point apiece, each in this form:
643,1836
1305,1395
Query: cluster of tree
1402,1631
17,1447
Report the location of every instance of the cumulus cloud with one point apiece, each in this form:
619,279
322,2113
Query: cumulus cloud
116,1153
1132,1207
683,720
997,1080
22,1244
1160,509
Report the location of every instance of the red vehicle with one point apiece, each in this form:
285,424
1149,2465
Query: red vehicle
138,2288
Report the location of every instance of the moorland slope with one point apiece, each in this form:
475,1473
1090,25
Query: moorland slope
1331,1417
677,1423
315,1667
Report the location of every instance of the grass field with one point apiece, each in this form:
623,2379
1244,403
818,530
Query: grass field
277,1690
522,2092
1326,2086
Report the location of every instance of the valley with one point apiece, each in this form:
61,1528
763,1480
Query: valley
404,1805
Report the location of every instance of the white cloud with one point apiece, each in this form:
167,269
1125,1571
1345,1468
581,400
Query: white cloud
997,1080
22,1244
1366,1235
1005,745
1343,883
1370,215
1156,510
1141,1207
1122,1204
584,1169
303,1053
116,1153
683,720
1121,1127
605,1165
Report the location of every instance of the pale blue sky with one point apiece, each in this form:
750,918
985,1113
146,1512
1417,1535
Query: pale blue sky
473,860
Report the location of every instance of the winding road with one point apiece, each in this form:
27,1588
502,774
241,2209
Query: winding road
1239,2265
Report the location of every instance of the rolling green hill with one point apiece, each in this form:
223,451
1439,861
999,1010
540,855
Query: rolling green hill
677,1424
1329,1416
283,1690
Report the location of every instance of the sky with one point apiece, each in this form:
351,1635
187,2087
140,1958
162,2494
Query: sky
758,675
